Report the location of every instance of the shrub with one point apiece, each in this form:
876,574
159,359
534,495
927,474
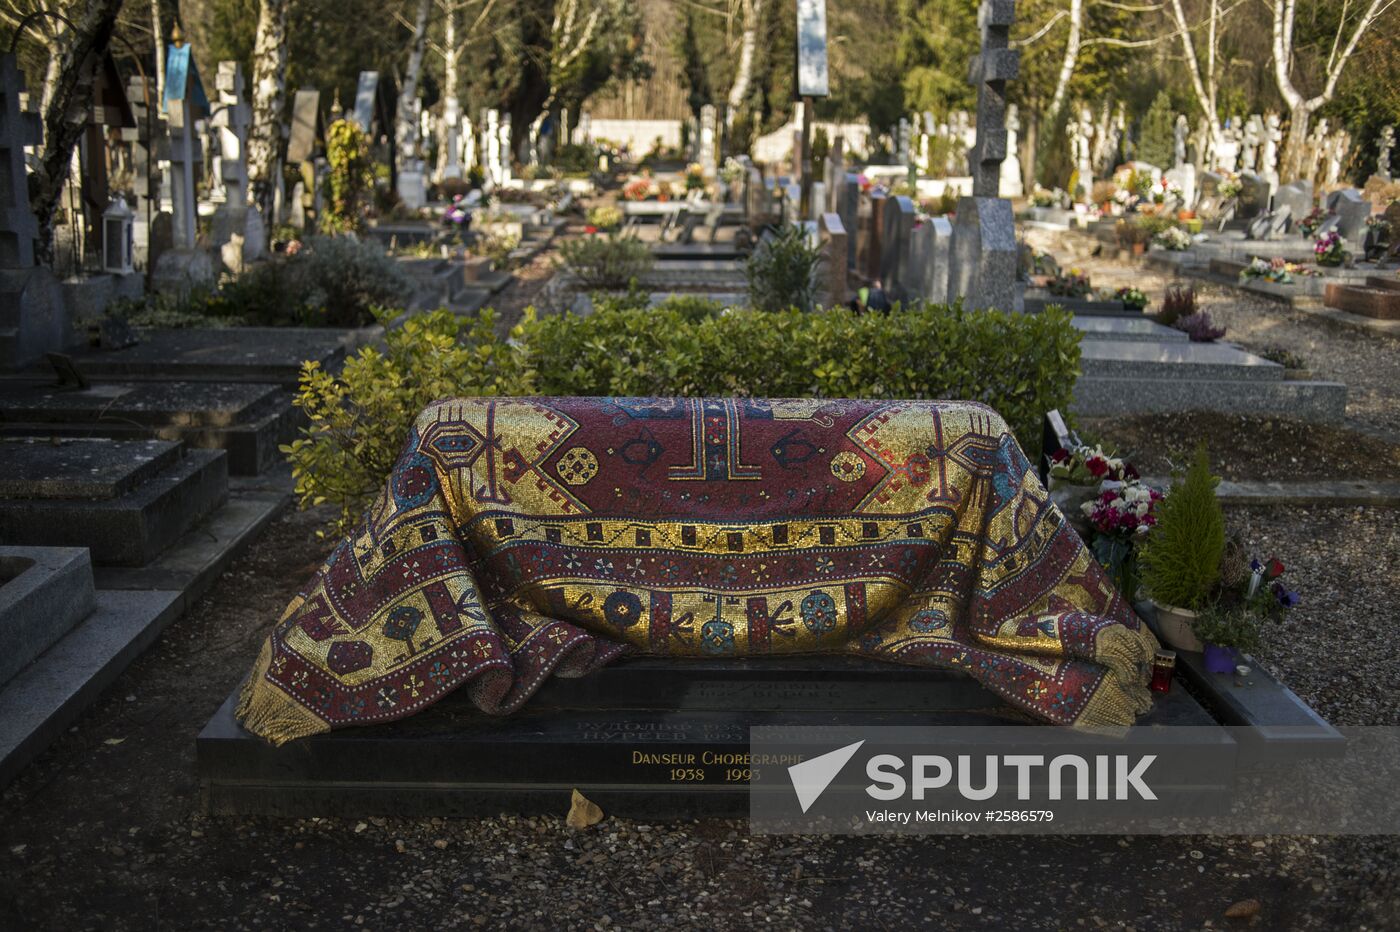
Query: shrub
1022,365
1180,558
606,261
1157,138
605,217
331,281
1199,328
1177,303
359,419
782,271
351,178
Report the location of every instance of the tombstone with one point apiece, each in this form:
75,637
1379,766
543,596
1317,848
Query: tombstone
1384,146
984,252
1268,155
468,136
818,203
1081,152
1297,197
1179,133
507,153
449,148
874,228
929,252
1012,184
107,113
492,147
1270,224
848,206
834,174
147,178
184,265
236,230
897,224
1227,149
1253,199
1183,175
902,143
1352,212
709,123
1249,145
834,251
31,301
364,110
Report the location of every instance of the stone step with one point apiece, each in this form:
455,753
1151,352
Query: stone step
1313,401
1377,303
125,500
248,420
44,592
1121,359
1096,327
132,607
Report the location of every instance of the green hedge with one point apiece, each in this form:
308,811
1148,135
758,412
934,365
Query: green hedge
1021,365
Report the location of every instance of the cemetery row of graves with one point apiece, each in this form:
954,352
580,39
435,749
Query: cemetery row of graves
186,365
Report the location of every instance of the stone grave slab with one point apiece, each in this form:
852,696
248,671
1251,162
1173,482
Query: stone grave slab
1376,298
1037,302
44,592
1097,327
646,739
271,355
126,500
247,419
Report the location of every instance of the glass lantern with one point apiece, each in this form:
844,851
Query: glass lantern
117,237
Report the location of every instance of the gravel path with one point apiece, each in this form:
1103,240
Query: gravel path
104,830
1369,363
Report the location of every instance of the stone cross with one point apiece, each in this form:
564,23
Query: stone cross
1080,134
493,146
448,149
1387,143
468,142
146,184
231,122
984,258
902,142
1012,184
1179,134
989,72
1268,155
18,128
186,156
1253,135
506,151
709,123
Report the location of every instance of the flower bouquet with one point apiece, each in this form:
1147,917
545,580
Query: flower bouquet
638,189
1230,187
1174,239
1131,297
1329,250
1310,224
1071,284
1075,478
694,177
1118,517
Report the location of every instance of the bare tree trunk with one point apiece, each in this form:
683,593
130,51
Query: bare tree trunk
269,95
71,91
158,38
407,132
1205,85
1076,28
743,74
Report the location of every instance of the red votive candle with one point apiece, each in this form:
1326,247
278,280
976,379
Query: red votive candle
1163,665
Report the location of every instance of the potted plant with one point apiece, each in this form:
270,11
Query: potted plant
1249,595
1180,556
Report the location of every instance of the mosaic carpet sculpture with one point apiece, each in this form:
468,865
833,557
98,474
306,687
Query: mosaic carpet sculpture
522,538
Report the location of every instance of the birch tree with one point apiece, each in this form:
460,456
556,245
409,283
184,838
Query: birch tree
269,97
1302,107
743,72
1076,29
72,70
1205,81
406,131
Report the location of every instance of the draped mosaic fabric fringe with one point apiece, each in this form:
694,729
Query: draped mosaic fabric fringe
518,539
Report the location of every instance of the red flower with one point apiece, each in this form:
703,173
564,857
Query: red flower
590,229
1275,568
1060,456
1097,467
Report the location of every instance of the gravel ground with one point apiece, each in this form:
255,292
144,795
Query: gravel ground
1266,449
1368,363
104,830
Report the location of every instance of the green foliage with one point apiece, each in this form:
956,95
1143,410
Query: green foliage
1158,135
350,182
1180,558
1022,365
358,419
1235,627
606,261
574,159
334,281
782,271
605,217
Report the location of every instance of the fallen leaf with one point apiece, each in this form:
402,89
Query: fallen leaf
1244,909
114,741
583,812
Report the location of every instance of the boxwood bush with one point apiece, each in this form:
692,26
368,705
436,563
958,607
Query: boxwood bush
1022,365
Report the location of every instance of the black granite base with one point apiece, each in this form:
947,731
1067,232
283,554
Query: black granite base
645,738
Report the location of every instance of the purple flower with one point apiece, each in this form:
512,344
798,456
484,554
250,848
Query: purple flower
1286,597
